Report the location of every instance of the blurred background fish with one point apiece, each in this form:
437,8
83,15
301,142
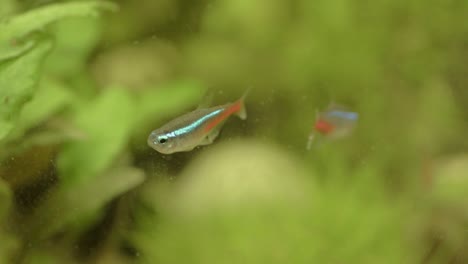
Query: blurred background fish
335,122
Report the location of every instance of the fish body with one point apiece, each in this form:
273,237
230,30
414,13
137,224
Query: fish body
199,127
335,122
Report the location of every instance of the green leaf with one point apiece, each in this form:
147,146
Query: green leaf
107,123
23,24
18,78
11,51
72,50
70,206
51,97
35,120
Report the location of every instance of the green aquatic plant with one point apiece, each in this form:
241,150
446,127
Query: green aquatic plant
32,99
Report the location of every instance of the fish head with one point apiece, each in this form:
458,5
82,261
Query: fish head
162,142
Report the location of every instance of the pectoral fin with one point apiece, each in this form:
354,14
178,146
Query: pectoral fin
210,137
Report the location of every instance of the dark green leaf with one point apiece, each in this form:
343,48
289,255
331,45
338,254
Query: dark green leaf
107,123
51,97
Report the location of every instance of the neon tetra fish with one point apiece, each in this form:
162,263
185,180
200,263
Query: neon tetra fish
197,128
335,122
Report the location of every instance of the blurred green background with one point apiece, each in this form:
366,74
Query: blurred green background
82,84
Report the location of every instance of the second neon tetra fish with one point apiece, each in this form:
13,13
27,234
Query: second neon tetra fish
197,128
335,122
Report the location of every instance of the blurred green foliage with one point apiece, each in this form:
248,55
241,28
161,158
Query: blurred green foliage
82,83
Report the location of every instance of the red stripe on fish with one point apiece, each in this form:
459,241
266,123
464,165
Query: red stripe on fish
323,126
225,114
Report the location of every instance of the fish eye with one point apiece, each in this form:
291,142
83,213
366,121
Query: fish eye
162,140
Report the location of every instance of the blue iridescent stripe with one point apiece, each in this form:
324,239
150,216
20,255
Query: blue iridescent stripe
345,115
194,125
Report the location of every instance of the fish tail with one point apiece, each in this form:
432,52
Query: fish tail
242,112
310,141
